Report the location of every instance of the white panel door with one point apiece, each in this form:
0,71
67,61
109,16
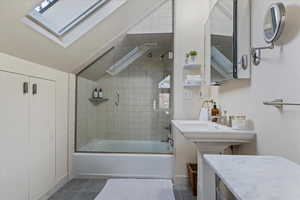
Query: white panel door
14,132
42,137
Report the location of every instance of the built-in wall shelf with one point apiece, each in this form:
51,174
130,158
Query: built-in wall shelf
97,101
192,66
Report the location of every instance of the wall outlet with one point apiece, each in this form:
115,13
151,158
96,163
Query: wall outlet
188,94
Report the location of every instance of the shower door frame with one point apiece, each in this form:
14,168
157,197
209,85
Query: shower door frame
171,100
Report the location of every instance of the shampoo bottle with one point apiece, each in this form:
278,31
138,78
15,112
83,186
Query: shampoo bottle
95,93
100,93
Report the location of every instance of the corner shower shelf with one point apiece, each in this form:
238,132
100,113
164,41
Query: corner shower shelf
97,101
192,66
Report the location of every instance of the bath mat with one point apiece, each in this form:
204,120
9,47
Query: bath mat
137,189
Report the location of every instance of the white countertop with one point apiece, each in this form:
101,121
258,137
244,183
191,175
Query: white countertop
196,126
257,177
208,132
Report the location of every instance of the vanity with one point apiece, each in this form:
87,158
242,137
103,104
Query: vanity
210,138
252,177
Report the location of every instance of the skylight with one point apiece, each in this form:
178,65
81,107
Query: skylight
65,21
127,60
59,17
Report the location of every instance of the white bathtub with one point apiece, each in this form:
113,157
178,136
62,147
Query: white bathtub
126,146
124,164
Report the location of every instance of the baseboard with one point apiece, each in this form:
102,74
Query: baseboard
55,188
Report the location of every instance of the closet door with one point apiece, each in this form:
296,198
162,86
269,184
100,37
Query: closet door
14,138
42,137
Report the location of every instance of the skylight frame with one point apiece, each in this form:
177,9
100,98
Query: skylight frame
36,15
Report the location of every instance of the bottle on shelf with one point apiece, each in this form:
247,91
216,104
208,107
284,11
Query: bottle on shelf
100,93
95,93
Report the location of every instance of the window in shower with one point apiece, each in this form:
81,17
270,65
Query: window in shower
135,78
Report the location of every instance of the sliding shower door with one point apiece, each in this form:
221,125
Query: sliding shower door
124,96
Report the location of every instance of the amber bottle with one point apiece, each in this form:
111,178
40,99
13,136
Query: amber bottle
215,113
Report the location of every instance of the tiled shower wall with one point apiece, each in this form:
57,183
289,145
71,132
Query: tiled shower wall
137,116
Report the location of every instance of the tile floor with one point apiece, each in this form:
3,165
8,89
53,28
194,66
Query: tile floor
87,189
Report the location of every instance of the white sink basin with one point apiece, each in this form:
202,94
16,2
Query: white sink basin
206,131
210,138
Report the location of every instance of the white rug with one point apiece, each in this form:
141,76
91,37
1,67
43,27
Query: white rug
137,189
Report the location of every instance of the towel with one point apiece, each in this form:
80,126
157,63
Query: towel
137,189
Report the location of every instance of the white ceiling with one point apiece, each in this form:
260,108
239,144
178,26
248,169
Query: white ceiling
21,41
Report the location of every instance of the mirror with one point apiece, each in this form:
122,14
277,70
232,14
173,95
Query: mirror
274,22
223,53
228,41
273,26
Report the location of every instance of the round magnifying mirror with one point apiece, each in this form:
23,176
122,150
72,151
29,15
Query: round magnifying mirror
274,22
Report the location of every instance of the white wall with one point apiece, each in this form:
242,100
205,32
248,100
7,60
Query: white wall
190,17
160,21
276,77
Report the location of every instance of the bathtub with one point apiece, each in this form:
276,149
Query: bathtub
156,161
127,146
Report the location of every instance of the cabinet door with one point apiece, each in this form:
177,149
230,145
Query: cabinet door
14,137
42,137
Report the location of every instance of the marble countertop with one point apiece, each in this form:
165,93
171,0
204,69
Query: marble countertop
257,177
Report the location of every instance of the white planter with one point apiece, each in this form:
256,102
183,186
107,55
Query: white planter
193,59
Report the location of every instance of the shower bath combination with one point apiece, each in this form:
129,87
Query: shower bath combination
124,135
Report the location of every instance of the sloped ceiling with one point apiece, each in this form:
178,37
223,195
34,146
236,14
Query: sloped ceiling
21,41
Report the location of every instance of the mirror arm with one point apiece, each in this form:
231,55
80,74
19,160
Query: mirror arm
263,48
256,53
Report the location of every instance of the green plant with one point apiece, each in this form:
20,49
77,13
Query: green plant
193,53
187,55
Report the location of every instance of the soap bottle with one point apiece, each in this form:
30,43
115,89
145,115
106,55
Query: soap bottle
100,93
215,113
95,93
225,118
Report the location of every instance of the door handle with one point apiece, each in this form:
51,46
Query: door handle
25,88
34,88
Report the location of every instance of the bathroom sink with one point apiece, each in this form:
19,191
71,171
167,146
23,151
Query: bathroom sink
210,138
206,131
